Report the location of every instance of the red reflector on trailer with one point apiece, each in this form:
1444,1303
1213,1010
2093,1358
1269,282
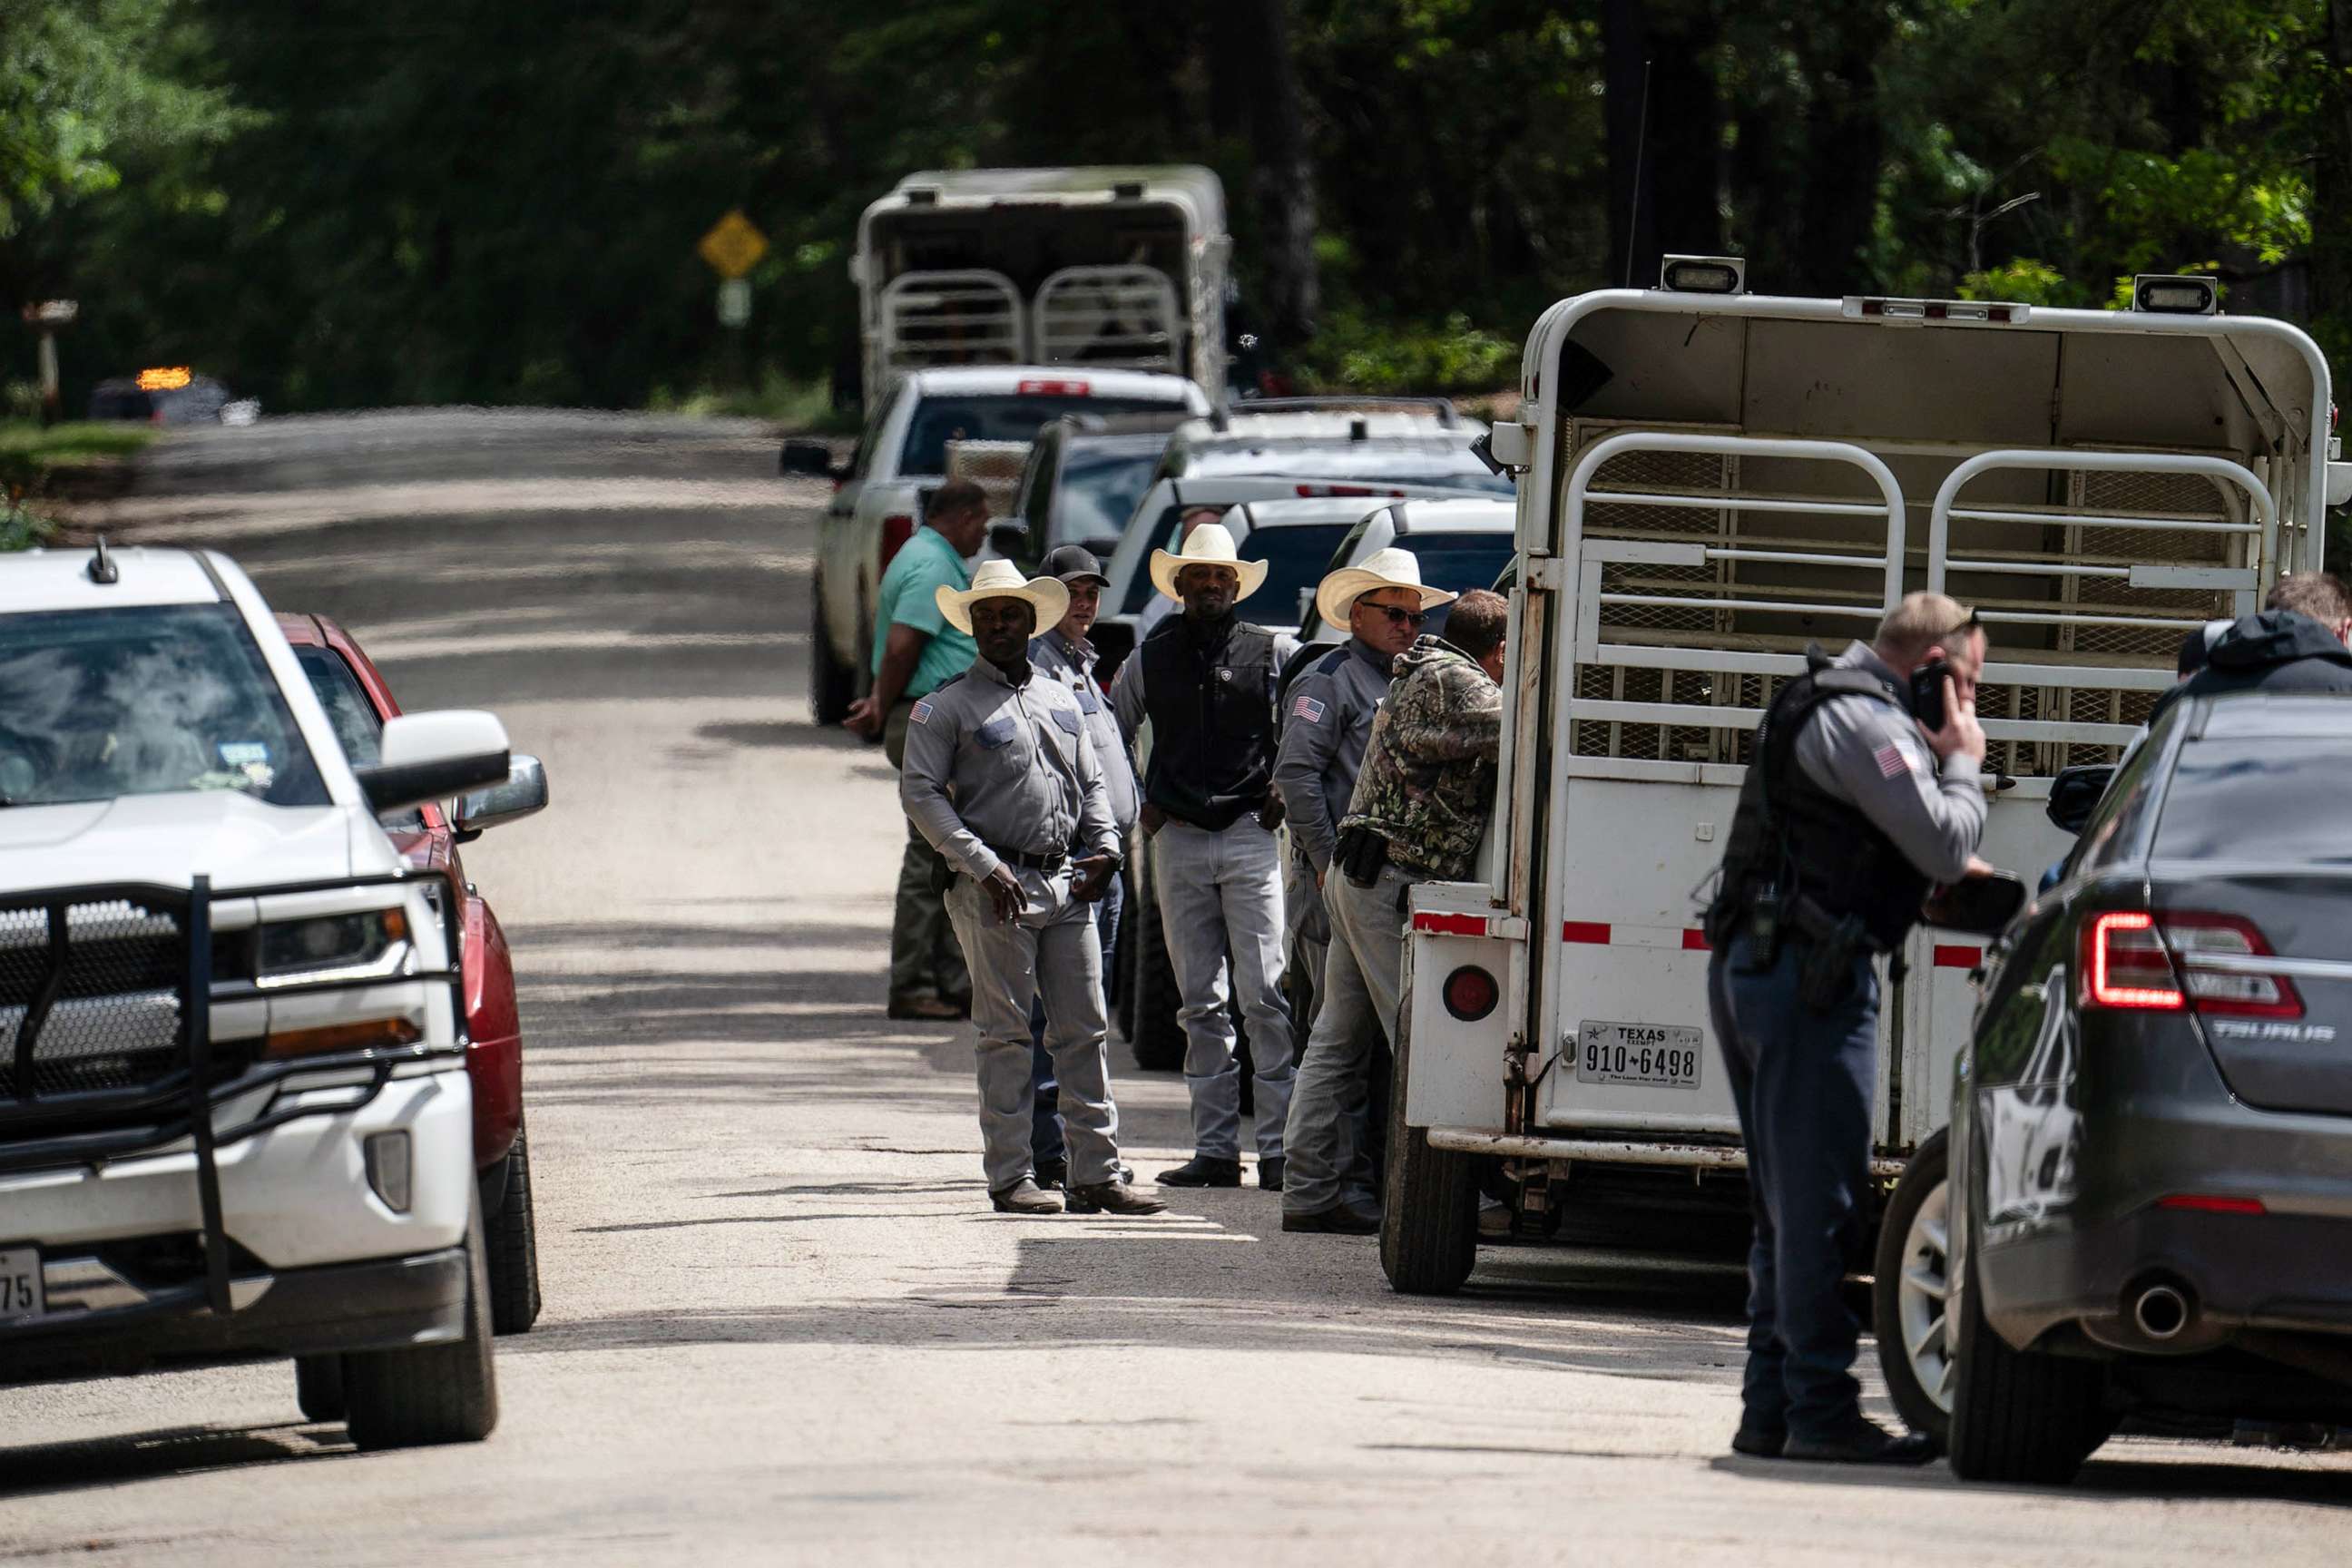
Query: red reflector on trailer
1470,994
2211,1203
1055,388
1695,941
1957,956
1593,932
1437,924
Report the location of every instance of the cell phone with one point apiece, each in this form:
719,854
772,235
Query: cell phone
1927,692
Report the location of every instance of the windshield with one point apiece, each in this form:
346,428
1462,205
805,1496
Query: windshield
1295,560
1098,493
938,420
146,699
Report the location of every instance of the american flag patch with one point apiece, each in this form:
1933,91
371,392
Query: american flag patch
1306,708
1893,761
922,712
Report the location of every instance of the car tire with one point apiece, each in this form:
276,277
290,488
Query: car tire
832,685
1429,1213
1910,1287
2019,1416
430,1394
318,1387
513,1238
1156,1037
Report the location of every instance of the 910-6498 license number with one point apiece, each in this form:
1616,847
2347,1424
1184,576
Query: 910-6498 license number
1664,1055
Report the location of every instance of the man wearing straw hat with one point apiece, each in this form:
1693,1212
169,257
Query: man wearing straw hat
1326,718
1206,681
1002,780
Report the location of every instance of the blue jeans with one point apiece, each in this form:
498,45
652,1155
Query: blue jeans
1046,1117
1803,1081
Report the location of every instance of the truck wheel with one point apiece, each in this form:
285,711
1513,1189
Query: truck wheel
431,1394
514,1247
1911,1283
1429,1215
832,685
2016,1416
1158,1034
319,1386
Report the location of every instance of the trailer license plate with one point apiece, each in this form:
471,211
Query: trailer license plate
1663,1055
20,1284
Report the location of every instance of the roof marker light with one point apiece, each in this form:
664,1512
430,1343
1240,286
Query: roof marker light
1703,275
2189,295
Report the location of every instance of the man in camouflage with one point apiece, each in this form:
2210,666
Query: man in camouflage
1419,810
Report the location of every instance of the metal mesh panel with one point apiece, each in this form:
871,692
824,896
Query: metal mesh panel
1654,473
951,318
108,1015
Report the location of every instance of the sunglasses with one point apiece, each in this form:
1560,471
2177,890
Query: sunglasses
1400,617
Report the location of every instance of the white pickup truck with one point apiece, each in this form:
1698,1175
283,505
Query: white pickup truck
1709,481
880,496
234,1119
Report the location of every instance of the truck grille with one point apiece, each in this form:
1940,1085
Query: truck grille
89,998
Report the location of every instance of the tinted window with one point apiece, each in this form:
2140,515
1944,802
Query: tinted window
2274,799
2116,827
938,420
357,727
1162,532
146,699
1295,561
1098,493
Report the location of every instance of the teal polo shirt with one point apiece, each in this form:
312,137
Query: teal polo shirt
909,597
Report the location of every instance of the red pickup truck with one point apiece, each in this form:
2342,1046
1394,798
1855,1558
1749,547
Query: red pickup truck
358,701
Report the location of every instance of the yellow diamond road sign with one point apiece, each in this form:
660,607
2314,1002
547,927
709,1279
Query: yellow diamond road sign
734,246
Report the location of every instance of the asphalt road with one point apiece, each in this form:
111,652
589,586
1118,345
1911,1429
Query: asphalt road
781,1324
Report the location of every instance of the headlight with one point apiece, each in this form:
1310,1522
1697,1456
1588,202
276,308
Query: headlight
370,941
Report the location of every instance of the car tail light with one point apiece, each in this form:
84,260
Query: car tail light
1055,388
1470,994
2213,952
897,528
2183,959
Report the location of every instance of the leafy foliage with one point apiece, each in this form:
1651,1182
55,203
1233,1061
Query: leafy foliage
344,202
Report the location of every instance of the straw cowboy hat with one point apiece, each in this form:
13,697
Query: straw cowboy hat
1002,580
1209,544
1389,568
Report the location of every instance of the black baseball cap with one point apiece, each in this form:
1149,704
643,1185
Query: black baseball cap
1073,562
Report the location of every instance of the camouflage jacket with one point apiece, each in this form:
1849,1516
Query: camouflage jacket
1428,780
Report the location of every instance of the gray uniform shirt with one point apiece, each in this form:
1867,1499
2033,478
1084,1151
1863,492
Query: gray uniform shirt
992,766
1870,756
1325,721
1072,663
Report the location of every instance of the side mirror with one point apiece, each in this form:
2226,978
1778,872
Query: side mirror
523,793
803,455
432,756
2076,792
1981,906
1009,537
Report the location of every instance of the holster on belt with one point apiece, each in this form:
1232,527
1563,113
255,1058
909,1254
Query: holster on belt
1360,855
1833,943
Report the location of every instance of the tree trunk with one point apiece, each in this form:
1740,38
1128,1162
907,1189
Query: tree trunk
1251,67
1663,186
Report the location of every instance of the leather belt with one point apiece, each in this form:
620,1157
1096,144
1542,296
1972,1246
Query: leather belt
1046,863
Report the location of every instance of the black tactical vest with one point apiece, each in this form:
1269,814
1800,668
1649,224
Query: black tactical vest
1212,732
1790,832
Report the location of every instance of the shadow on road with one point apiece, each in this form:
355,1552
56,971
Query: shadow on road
50,1468
2120,1472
